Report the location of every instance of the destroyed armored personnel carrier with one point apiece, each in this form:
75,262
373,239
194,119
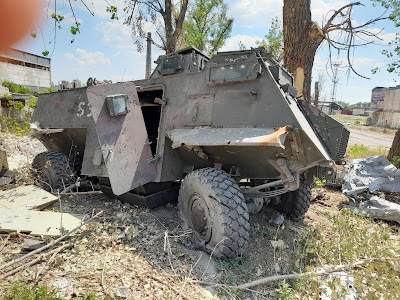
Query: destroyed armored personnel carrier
225,132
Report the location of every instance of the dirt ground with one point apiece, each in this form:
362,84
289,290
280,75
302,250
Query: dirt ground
148,251
148,254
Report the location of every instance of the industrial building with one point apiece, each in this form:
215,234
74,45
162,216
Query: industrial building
26,69
386,103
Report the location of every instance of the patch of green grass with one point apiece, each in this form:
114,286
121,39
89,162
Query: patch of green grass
350,119
362,151
351,238
285,291
15,88
48,90
239,264
22,291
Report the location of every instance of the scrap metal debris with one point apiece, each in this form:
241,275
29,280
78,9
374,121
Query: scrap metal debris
371,174
36,130
378,208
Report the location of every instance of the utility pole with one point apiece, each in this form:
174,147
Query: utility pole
148,56
335,80
316,93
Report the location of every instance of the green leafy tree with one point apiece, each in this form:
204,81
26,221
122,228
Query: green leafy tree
274,39
393,53
207,25
164,15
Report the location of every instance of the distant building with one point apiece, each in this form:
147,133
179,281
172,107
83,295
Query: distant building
385,101
359,111
26,69
386,98
330,107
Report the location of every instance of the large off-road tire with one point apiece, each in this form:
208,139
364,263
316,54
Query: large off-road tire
296,203
212,204
53,171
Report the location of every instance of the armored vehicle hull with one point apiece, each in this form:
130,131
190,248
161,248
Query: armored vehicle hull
230,127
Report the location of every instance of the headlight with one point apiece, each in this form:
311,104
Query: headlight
117,104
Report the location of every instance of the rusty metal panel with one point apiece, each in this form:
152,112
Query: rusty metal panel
123,138
229,136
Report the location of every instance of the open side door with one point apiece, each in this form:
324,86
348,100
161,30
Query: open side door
122,135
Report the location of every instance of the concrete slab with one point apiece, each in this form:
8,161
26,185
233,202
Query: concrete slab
26,197
17,213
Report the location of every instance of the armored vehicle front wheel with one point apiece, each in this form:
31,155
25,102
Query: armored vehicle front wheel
53,170
212,204
295,204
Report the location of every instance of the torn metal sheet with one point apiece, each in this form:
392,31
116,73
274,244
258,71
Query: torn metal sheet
378,208
36,130
372,173
17,213
229,136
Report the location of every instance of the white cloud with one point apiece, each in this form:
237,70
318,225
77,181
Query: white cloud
233,42
384,37
321,10
255,13
86,59
70,20
259,13
353,94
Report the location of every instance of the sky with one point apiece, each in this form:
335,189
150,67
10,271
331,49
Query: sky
104,48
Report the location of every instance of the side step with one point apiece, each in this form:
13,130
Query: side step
146,201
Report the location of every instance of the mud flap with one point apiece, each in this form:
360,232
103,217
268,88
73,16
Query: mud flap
122,136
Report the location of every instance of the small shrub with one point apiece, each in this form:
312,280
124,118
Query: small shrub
395,159
285,291
357,122
10,123
49,90
15,88
320,183
21,291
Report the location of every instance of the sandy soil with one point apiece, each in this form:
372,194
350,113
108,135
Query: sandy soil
370,139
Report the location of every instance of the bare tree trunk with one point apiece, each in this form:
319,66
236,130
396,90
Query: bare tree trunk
171,34
395,149
301,37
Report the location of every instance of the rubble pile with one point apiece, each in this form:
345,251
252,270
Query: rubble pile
20,149
368,176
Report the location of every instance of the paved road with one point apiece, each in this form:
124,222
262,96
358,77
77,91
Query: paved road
370,139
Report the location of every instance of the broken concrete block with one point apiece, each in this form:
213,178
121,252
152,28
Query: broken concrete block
32,244
122,291
17,213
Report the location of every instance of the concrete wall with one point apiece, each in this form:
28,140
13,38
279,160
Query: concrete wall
33,78
358,111
391,100
385,119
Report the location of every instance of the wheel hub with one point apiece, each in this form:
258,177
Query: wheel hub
200,217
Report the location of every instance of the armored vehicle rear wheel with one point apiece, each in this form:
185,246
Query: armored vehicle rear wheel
295,204
53,170
212,204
